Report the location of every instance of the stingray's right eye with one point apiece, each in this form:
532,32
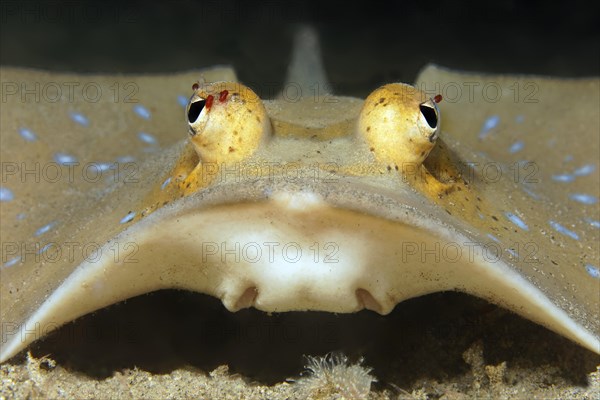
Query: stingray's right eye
430,115
195,109
398,125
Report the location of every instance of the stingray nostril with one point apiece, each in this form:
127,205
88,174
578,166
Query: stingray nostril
368,301
430,115
246,300
195,110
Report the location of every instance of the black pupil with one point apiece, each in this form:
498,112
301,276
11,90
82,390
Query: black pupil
429,114
195,110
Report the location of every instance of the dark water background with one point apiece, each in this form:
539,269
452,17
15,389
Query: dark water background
365,44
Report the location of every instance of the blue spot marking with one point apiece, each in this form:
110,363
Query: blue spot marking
516,146
563,178
27,135
585,170
494,238
130,215
517,221
44,229
593,271
488,125
21,216
79,118
561,229
568,158
531,193
142,111
46,247
182,100
593,222
11,262
103,166
584,198
6,194
165,183
64,158
146,138
519,119
125,159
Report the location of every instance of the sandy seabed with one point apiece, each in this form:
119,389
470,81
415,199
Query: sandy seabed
444,353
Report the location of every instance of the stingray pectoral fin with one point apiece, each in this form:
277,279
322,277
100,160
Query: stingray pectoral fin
94,285
496,282
294,252
154,260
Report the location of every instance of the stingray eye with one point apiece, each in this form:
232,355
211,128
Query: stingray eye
195,109
429,114
429,118
399,125
227,121
197,113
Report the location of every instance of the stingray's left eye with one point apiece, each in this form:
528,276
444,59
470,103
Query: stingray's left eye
197,112
195,109
227,122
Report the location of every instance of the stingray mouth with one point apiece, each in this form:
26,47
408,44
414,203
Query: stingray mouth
292,251
305,299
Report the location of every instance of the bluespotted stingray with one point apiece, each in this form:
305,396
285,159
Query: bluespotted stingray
115,186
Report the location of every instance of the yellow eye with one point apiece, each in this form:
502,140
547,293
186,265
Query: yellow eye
227,122
195,108
400,124
429,113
